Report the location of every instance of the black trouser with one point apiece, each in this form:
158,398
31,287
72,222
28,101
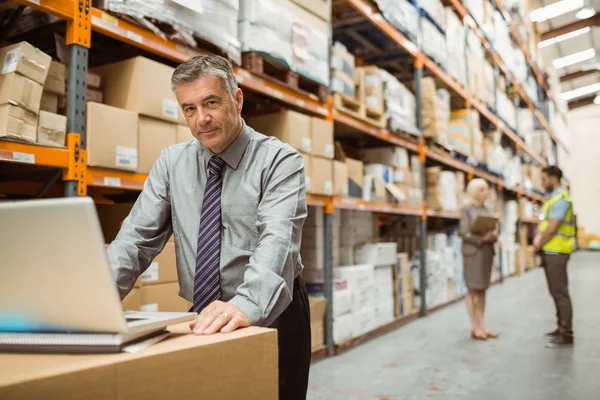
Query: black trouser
555,266
294,341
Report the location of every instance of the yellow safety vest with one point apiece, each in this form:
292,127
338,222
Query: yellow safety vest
563,241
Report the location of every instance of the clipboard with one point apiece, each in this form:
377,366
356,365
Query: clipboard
484,224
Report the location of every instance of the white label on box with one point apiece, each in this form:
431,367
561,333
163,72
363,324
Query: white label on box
306,145
149,307
328,188
151,274
37,2
24,157
329,151
127,157
116,182
135,37
307,180
170,108
398,176
11,61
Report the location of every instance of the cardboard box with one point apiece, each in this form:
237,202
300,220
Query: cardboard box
49,102
402,176
56,80
94,80
389,155
52,129
112,137
340,179
133,301
141,85
163,269
307,172
404,305
163,297
317,308
356,177
317,331
27,60
320,8
360,279
182,366
20,91
154,136
342,328
288,126
402,267
321,137
322,179
17,123
184,134
111,217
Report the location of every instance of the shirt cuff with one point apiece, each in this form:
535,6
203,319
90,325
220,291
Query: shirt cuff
249,308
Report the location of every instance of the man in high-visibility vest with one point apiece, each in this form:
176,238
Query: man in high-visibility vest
555,240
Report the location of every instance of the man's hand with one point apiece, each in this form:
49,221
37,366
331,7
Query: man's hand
219,317
537,244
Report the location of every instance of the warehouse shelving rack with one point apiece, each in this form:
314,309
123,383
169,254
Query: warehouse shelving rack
71,163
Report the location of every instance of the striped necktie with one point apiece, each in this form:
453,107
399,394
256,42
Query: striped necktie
207,285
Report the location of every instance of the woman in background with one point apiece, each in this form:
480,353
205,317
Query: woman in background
478,255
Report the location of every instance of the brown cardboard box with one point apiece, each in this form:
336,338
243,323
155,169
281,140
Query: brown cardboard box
154,136
111,217
132,301
321,138
163,297
288,126
183,366
320,8
307,171
317,331
322,179
356,171
49,102
23,92
94,80
112,137
340,179
52,129
317,307
141,85
184,134
17,123
55,82
27,60
163,269
402,176
370,87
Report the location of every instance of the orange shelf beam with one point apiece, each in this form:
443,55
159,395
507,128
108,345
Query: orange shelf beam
97,177
32,154
385,208
443,214
59,8
316,200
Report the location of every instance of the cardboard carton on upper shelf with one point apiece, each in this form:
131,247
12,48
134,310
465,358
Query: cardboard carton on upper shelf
52,129
394,156
55,81
290,127
112,137
321,137
163,297
340,179
141,85
21,91
153,137
322,179
17,123
26,60
204,367
49,102
356,177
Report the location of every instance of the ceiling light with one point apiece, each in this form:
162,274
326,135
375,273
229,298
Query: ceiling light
585,12
582,91
561,38
573,58
554,10
597,99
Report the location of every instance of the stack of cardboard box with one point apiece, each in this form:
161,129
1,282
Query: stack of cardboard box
403,286
342,65
317,314
436,112
441,189
342,305
369,93
361,283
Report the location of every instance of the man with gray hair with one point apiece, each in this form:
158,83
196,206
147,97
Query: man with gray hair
235,201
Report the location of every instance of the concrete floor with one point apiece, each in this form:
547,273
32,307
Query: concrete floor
435,358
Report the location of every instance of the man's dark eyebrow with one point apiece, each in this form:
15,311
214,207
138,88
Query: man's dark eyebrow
211,97
184,105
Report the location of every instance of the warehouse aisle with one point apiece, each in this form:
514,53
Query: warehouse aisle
434,357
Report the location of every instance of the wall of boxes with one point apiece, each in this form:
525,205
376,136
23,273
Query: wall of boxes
375,255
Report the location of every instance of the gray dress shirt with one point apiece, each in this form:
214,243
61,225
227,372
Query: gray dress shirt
263,204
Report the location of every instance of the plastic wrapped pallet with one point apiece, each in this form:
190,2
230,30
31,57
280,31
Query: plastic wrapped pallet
215,21
475,58
401,14
435,9
455,45
436,111
434,42
487,89
372,88
475,7
441,189
342,70
506,109
463,123
400,105
525,124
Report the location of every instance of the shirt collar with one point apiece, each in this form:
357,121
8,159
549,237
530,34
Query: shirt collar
233,154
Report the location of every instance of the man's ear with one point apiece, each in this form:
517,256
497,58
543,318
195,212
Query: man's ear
238,97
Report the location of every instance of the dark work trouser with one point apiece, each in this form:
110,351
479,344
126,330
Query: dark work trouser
294,339
555,266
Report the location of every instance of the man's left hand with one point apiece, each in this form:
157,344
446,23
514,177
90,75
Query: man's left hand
219,317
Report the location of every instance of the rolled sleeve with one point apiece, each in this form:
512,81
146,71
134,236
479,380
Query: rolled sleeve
268,283
559,209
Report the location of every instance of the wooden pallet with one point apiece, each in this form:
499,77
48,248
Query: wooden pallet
348,104
376,117
268,68
438,148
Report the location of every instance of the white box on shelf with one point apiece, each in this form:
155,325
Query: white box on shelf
342,328
376,253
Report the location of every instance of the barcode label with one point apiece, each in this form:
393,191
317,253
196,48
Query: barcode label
11,61
153,307
170,108
24,157
116,182
151,274
329,151
126,157
306,145
135,37
328,188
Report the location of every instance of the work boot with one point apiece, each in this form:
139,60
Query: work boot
560,342
552,335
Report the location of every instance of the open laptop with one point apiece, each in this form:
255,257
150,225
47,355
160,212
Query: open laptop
57,292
